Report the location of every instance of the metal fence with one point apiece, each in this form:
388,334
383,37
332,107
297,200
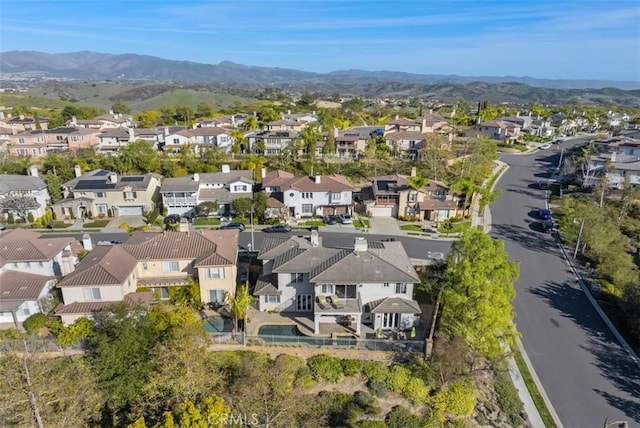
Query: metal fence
401,346
35,345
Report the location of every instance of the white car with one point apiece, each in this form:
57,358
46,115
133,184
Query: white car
545,146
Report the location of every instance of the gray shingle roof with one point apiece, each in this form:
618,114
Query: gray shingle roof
9,183
22,286
394,305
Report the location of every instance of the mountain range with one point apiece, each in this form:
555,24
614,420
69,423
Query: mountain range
86,65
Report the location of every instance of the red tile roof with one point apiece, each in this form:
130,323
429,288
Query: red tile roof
26,245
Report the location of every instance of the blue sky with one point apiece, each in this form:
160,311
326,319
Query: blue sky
563,39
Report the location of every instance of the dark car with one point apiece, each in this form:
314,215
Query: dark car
331,219
201,214
278,228
172,218
548,226
189,216
238,226
544,214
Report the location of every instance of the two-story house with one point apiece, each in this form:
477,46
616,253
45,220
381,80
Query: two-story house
30,265
391,196
148,265
65,138
23,123
102,192
500,130
352,142
274,143
310,196
371,284
20,186
181,195
31,144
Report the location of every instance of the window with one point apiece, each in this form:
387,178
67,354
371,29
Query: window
215,273
336,196
327,289
101,195
240,188
386,284
412,197
92,293
129,195
216,296
21,140
176,141
27,264
401,287
304,302
15,265
272,298
346,291
296,277
101,208
145,266
162,291
170,267
307,195
307,208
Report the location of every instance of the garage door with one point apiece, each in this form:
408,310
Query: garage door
129,210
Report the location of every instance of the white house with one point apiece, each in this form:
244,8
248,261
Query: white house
25,185
181,195
310,196
371,284
30,265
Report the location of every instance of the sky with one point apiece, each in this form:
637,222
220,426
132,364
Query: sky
562,39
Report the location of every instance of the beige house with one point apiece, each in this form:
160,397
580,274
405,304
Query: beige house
148,265
102,192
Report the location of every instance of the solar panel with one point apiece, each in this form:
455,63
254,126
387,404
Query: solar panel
93,184
131,179
101,173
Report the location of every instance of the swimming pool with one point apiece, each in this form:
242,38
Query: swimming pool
217,324
279,330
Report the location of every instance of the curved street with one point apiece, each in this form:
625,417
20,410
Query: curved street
586,374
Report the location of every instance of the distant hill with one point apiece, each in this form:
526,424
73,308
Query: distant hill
142,70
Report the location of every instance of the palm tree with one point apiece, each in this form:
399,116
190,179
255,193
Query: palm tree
416,183
240,303
468,187
238,137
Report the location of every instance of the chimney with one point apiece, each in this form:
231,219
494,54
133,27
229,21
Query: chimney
14,129
413,171
166,131
1,115
317,178
33,170
264,172
614,156
67,262
336,132
517,114
113,178
132,134
315,238
74,121
196,177
110,112
288,111
77,170
424,124
86,242
360,245
453,112
397,116
225,169
183,226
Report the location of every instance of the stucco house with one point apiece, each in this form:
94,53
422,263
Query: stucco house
101,191
500,130
181,195
275,142
30,265
370,284
147,266
310,196
24,185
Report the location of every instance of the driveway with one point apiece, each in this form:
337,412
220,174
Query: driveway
131,220
384,226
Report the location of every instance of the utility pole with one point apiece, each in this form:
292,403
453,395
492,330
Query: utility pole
560,160
575,253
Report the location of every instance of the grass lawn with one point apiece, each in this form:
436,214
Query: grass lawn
361,222
411,227
533,390
206,221
59,224
97,223
457,227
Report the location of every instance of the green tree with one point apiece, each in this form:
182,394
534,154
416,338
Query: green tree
185,114
250,123
19,203
260,204
21,110
120,108
238,137
208,207
139,156
307,100
204,109
311,136
242,206
456,400
476,304
54,186
149,118
329,148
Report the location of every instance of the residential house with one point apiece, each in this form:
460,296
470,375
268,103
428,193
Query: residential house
23,123
30,265
110,141
210,137
101,191
178,139
25,185
391,196
182,194
500,130
275,142
229,121
407,143
619,168
150,264
71,138
371,284
402,124
31,144
351,143
310,196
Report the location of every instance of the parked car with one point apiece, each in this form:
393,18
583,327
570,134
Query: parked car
345,219
331,219
189,216
172,218
278,228
544,214
543,185
545,146
201,214
547,226
238,226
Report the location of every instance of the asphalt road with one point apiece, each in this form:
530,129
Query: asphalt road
586,374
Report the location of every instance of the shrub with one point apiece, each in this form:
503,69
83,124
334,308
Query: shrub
30,218
304,378
10,219
401,417
109,213
375,371
371,424
67,336
397,378
379,389
508,398
351,367
416,391
35,322
325,367
366,402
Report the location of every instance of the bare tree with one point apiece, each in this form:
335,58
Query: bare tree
18,202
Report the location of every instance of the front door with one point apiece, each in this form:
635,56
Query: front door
390,321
